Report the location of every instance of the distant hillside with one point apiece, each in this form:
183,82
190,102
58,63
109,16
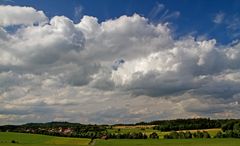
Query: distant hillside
67,129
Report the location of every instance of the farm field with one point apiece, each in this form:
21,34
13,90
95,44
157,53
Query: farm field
172,142
130,129
148,129
23,139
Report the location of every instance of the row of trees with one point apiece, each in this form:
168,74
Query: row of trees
231,125
228,134
134,135
187,135
188,124
230,129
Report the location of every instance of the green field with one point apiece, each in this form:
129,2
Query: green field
39,140
42,140
163,142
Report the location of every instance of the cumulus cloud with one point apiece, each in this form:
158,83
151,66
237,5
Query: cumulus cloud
75,72
16,15
47,44
130,37
171,71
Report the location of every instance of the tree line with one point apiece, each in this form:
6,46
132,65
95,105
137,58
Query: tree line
230,129
190,124
187,135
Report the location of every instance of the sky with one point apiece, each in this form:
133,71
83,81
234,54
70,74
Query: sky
121,61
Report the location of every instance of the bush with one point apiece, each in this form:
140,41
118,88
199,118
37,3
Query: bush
13,141
187,135
206,134
154,135
219,135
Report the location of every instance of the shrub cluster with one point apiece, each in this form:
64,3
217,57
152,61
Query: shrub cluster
133,135
230,130
187,135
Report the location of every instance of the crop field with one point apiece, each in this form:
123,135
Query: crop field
148,129
172,142
39,140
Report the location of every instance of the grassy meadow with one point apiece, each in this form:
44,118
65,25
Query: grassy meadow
172,142
24,139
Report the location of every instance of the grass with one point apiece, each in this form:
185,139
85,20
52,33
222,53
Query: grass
24,139
173,142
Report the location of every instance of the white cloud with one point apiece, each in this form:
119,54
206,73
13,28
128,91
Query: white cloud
16,15
131,37
230,22
156,10
61,70
172,70
44,44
